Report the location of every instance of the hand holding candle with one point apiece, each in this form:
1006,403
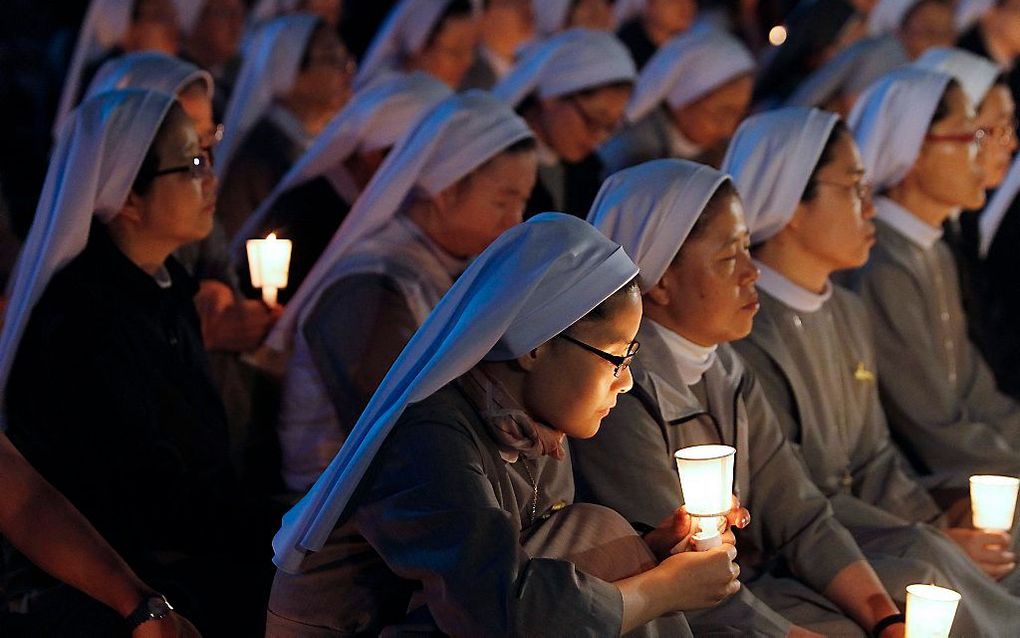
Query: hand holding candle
993,501
930,611
706,478
269,265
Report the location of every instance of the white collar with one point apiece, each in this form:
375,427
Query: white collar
162,277
679,145
692,360
906,223
546,156
794,296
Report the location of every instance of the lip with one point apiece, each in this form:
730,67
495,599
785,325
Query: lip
752,305
209,208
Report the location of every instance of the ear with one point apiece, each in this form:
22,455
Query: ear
133,210
659,294
797,220
446,198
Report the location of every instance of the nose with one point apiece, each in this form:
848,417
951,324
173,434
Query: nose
624,382
749,273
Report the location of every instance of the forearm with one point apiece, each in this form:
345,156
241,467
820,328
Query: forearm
644,598
47,529
858,592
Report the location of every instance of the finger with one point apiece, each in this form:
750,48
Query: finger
997,571
731,551
735,569
728,537
733,587
992,556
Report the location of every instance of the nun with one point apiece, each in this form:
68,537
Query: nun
98,306
812,350
572,90
450,506
503,28
990,29
295,77
899,32
111,28
646,25
919,142
313,198
211,39
689,99
984,292
451,186
435,36
330,11
683,223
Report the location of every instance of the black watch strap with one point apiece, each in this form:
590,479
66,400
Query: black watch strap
152,608
885,623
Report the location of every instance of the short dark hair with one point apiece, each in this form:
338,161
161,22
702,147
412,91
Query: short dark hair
713,207
942,109
605,309
306,55
811,188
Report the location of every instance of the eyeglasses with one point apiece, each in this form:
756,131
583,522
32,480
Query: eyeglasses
862,188
598,128
199,168
619,363
1003,133
974,138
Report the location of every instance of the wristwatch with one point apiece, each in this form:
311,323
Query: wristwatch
152,608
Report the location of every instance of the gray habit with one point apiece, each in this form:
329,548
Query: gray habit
939,394
794,546
818,371
440,534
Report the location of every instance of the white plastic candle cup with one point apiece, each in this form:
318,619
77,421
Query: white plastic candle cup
930,611
993,501
706,478
269,265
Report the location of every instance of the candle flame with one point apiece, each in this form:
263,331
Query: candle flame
272,237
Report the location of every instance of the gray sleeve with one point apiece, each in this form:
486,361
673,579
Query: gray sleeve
923,407
433,516
787,509
356,331
631,146
628,466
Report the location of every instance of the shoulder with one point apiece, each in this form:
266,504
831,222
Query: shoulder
443,426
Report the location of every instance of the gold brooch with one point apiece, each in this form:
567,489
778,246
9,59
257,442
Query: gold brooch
863,374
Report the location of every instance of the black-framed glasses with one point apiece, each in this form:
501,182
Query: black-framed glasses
620,363
199,167
596,127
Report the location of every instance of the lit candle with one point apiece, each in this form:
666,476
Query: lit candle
993,501
930,611
706,478
269,265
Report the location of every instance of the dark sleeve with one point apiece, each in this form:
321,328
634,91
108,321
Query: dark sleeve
628,466
432,514
788,511
948,437
356,331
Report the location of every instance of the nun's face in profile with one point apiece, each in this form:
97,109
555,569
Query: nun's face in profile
708,291
324,84
178,207
450,52
712,119
469,215
591,14
997,118
572,389
948,170
575,125
156,27
834,226
929,25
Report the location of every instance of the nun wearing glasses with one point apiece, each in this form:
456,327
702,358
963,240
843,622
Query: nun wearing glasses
813,352
450,508
683,223
106,386
919,143
572,90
